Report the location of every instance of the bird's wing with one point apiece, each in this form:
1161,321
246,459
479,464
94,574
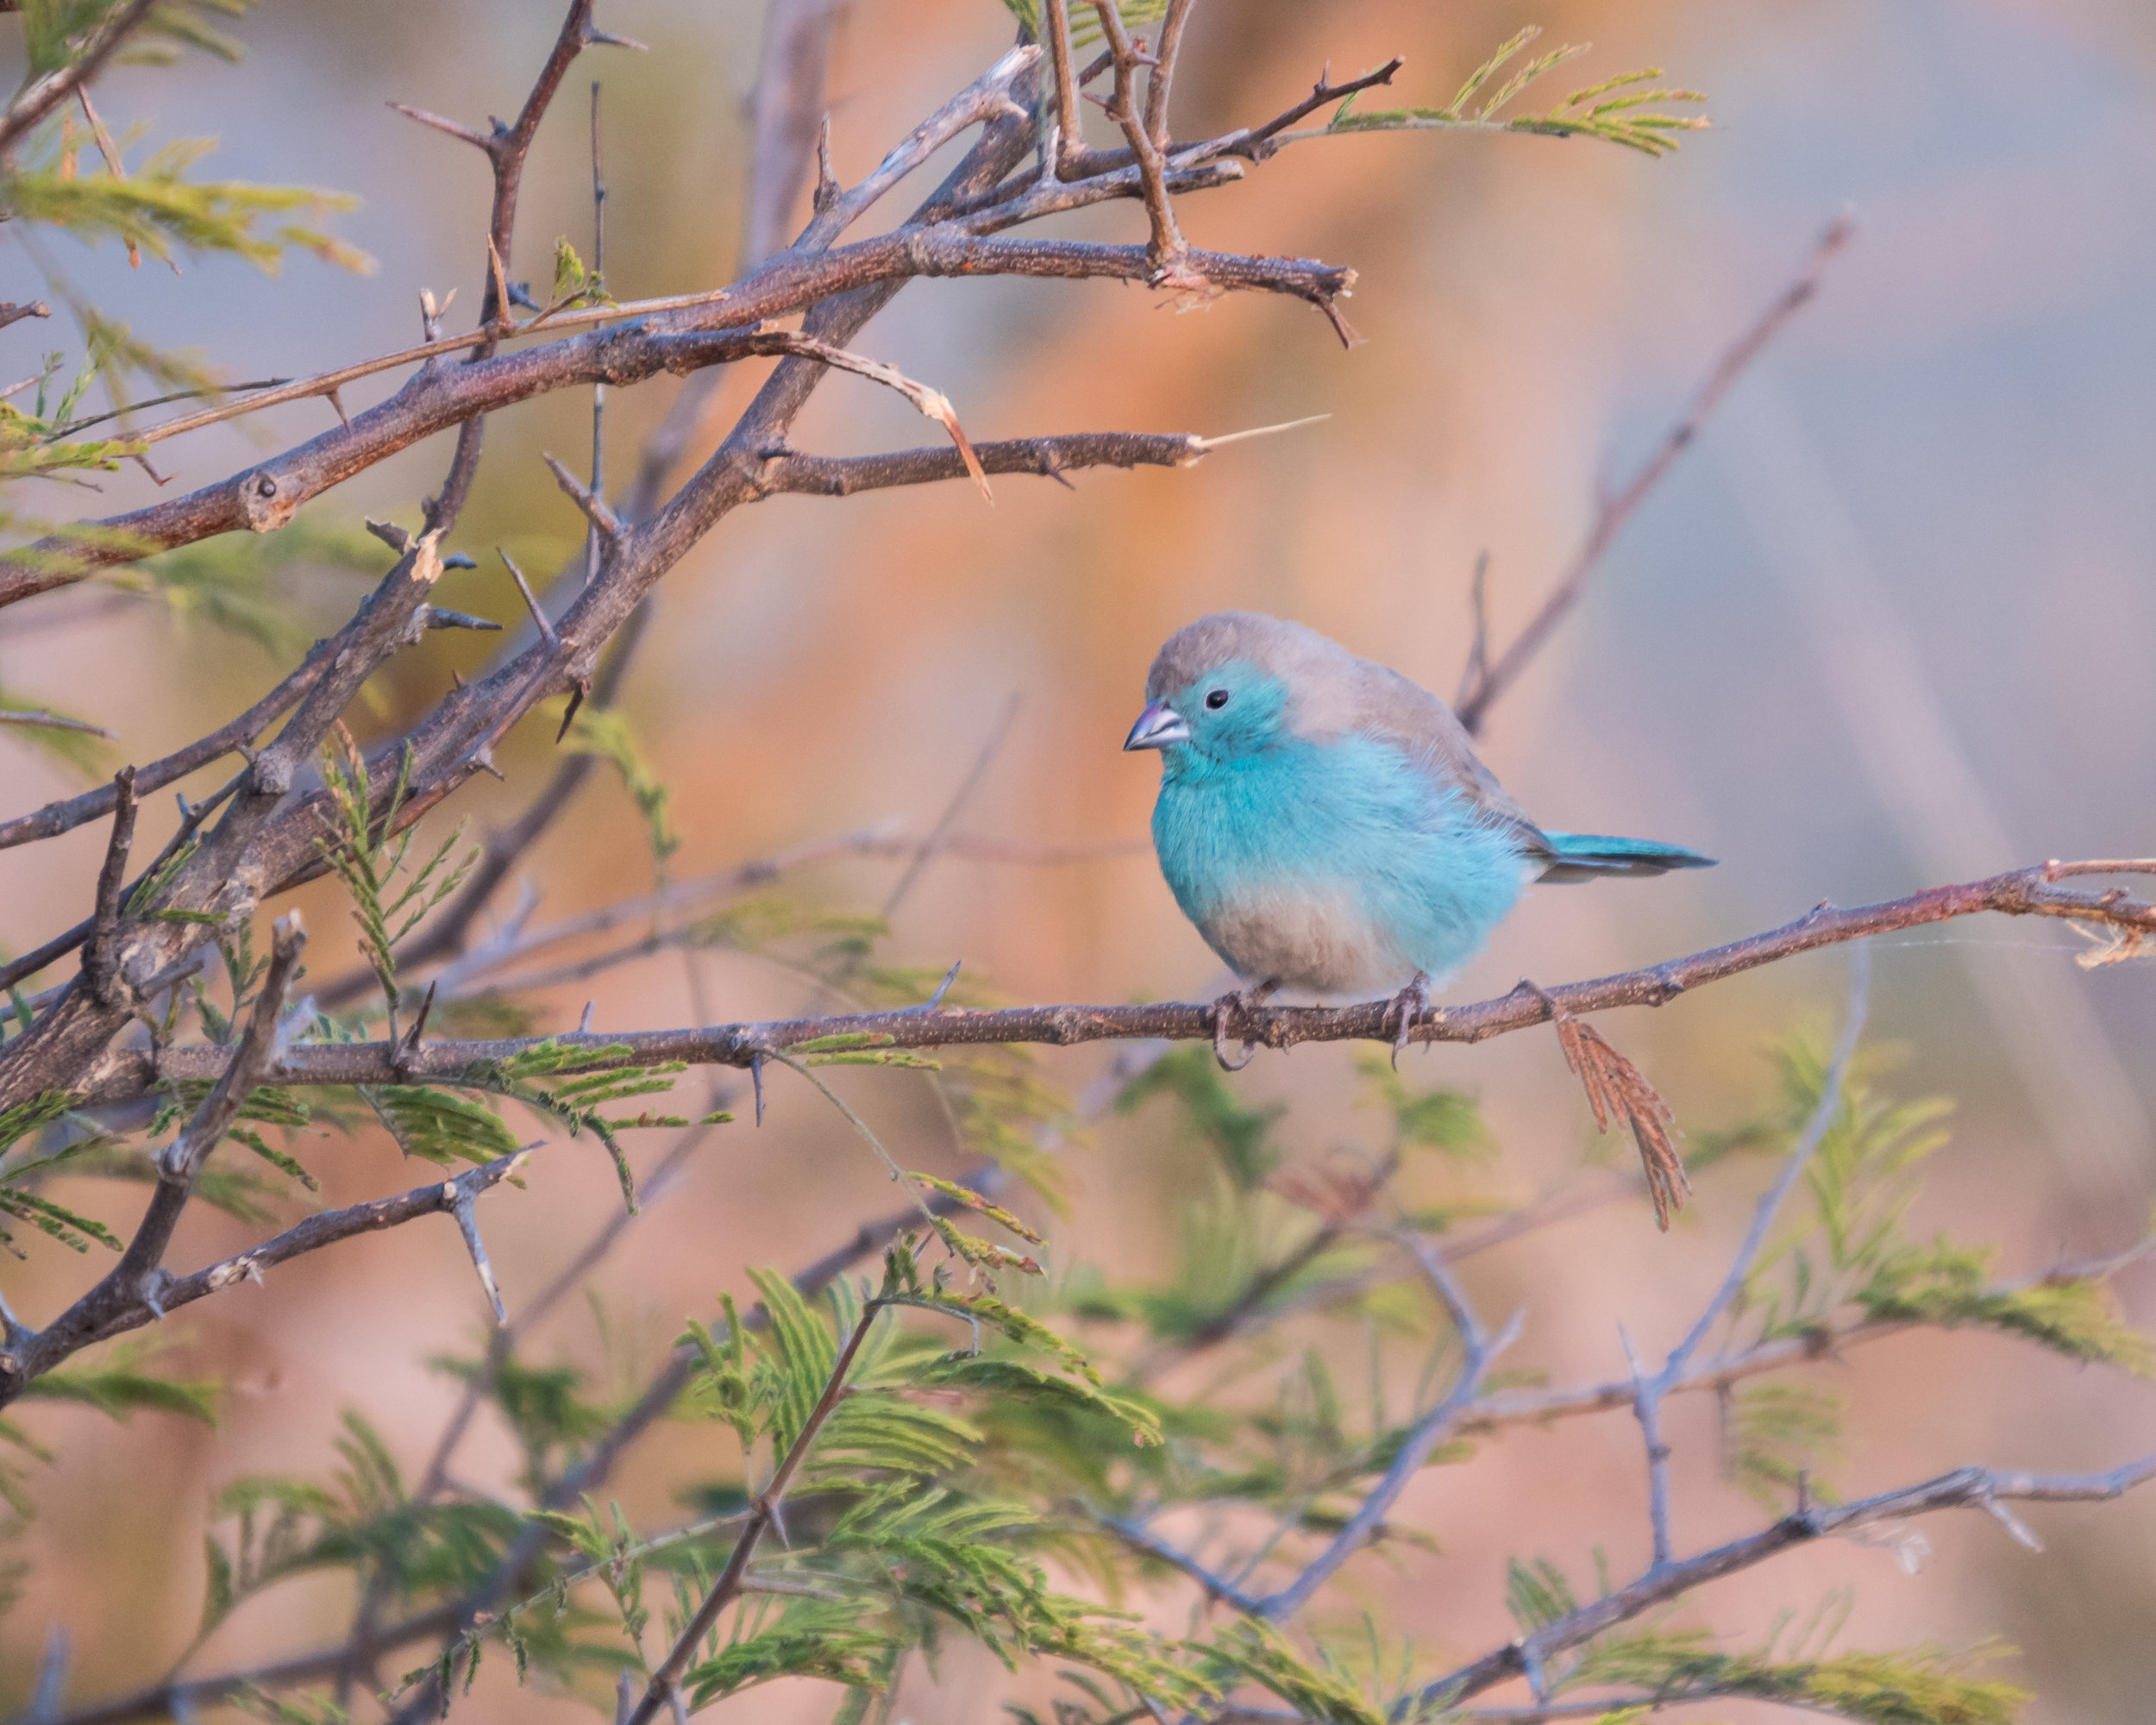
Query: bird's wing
1356,695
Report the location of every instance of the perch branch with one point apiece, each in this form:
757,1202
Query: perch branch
2024,892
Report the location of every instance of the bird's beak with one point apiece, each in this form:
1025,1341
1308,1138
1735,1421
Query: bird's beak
1159,726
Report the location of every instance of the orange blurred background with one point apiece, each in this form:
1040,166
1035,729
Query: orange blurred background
1885,626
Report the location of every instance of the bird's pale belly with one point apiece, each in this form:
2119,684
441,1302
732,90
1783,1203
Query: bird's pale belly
1306,937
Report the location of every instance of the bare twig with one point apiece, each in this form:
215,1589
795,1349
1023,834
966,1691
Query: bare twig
532,602
937,835
192,817
50,721
607,526
593,548
1169,249
1648,1393
1619,507
1048,457
1216,1586
1160,82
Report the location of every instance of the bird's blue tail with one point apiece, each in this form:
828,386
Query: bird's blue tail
1590,856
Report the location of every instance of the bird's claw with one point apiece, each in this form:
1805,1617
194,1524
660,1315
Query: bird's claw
1409,1005
1221,1008
1233,1001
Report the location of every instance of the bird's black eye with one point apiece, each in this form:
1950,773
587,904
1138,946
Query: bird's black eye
1217,700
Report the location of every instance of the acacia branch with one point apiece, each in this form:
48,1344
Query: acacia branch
60,816
507,148
264,497
325,1229
1964,1489
2024,892
250,856
137,1286
173,1698
1491,681
789,470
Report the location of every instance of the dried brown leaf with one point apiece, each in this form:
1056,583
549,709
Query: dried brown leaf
1615,1087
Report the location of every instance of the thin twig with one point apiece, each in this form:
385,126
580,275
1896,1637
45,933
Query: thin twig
50,721
934,840
101,958
665,1686
1479,1350
593,548
1648,1393
1619,508
1216,1586
1169,251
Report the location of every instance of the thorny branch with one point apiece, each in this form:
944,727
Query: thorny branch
1965,1488
176,1697
138,1286
2023,892
813,271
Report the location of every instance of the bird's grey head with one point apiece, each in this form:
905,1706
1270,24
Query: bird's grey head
1225,685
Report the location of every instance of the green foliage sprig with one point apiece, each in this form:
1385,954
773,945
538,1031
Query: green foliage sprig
1617,111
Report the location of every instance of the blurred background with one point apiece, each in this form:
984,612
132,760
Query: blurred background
1886,625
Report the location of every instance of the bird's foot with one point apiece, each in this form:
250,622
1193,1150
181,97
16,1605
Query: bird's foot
1409,1005
1230,1003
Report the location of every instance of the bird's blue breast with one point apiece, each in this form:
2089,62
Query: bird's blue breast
1337,866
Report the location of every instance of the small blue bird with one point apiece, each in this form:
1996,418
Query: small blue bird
1323,821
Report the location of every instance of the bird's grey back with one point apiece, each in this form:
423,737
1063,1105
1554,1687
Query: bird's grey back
1333,693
